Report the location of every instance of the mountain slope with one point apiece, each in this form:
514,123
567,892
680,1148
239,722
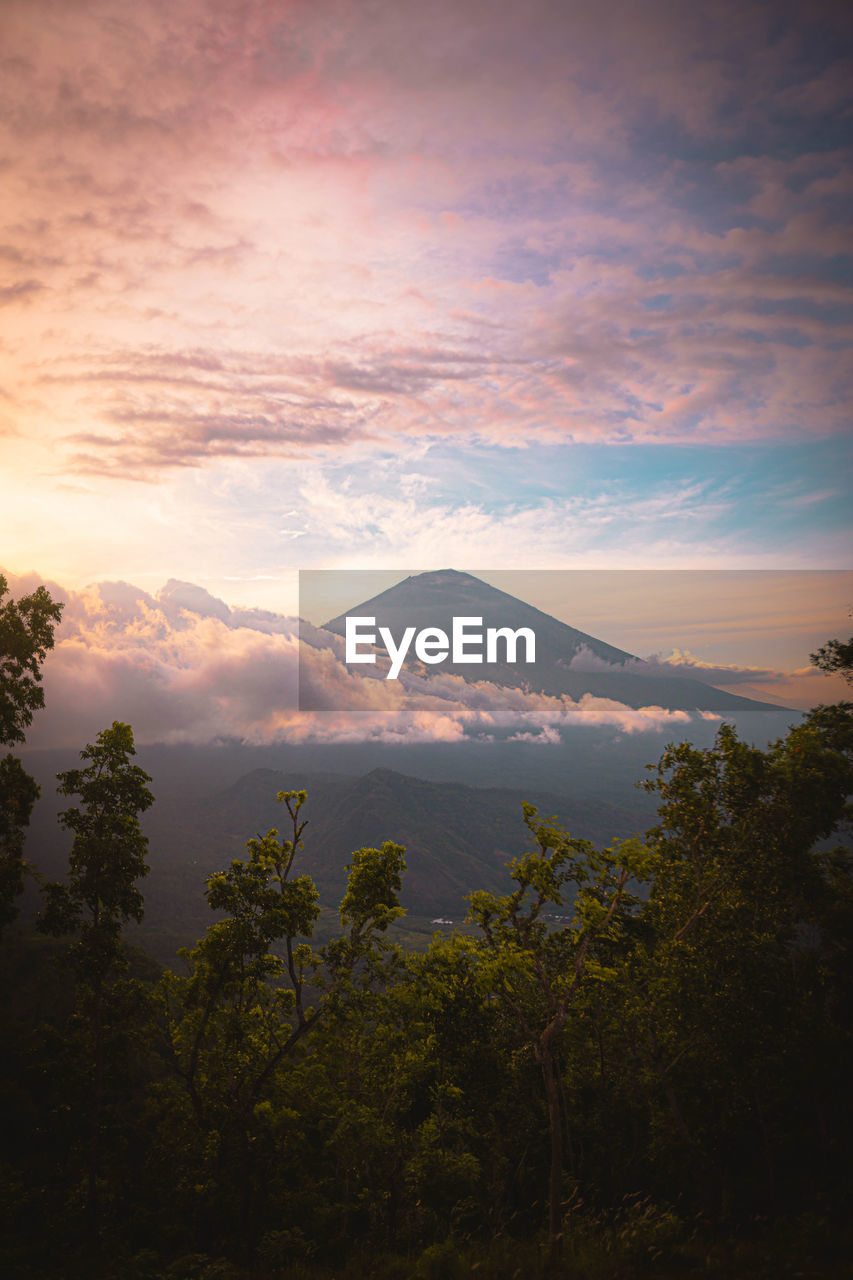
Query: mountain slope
434,599
457,837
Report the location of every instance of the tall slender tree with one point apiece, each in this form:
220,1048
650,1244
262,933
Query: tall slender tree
26,635
737,924
539,971
107,858
254,991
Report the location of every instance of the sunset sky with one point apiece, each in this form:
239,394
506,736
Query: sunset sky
386,283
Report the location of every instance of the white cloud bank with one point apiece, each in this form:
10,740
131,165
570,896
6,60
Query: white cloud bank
802,688
182,666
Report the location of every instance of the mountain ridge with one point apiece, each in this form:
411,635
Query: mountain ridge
434,598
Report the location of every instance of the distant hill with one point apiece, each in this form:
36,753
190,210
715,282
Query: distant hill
434,599
458,838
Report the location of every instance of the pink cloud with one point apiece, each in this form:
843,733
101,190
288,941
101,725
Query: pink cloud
182,666
241,232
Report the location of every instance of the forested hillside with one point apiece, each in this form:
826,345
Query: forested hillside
633,1062
456,837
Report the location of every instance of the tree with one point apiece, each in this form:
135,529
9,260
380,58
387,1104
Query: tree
107,858
107,853
255,989
18,794
835,656
538,972
720,993
26,634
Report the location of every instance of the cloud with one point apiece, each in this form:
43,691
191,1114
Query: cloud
296,231
182,666
681,662
177,596
546,738
684,663
390,525
20,291
803,687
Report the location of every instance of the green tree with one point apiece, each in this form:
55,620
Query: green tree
255,989
721,988
835,656
539,971
107,858
108,851
416,1102
18,793
26,634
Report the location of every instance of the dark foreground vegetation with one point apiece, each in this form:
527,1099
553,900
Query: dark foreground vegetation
637,1066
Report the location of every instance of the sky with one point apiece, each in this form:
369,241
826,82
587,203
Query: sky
376,283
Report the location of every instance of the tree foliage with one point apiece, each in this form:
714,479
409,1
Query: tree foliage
108,849
107,858
836,656
254,991
26,635
539,971
18,794
644,1047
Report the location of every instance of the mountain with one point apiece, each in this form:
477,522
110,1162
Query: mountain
456,806
457,838
434,599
